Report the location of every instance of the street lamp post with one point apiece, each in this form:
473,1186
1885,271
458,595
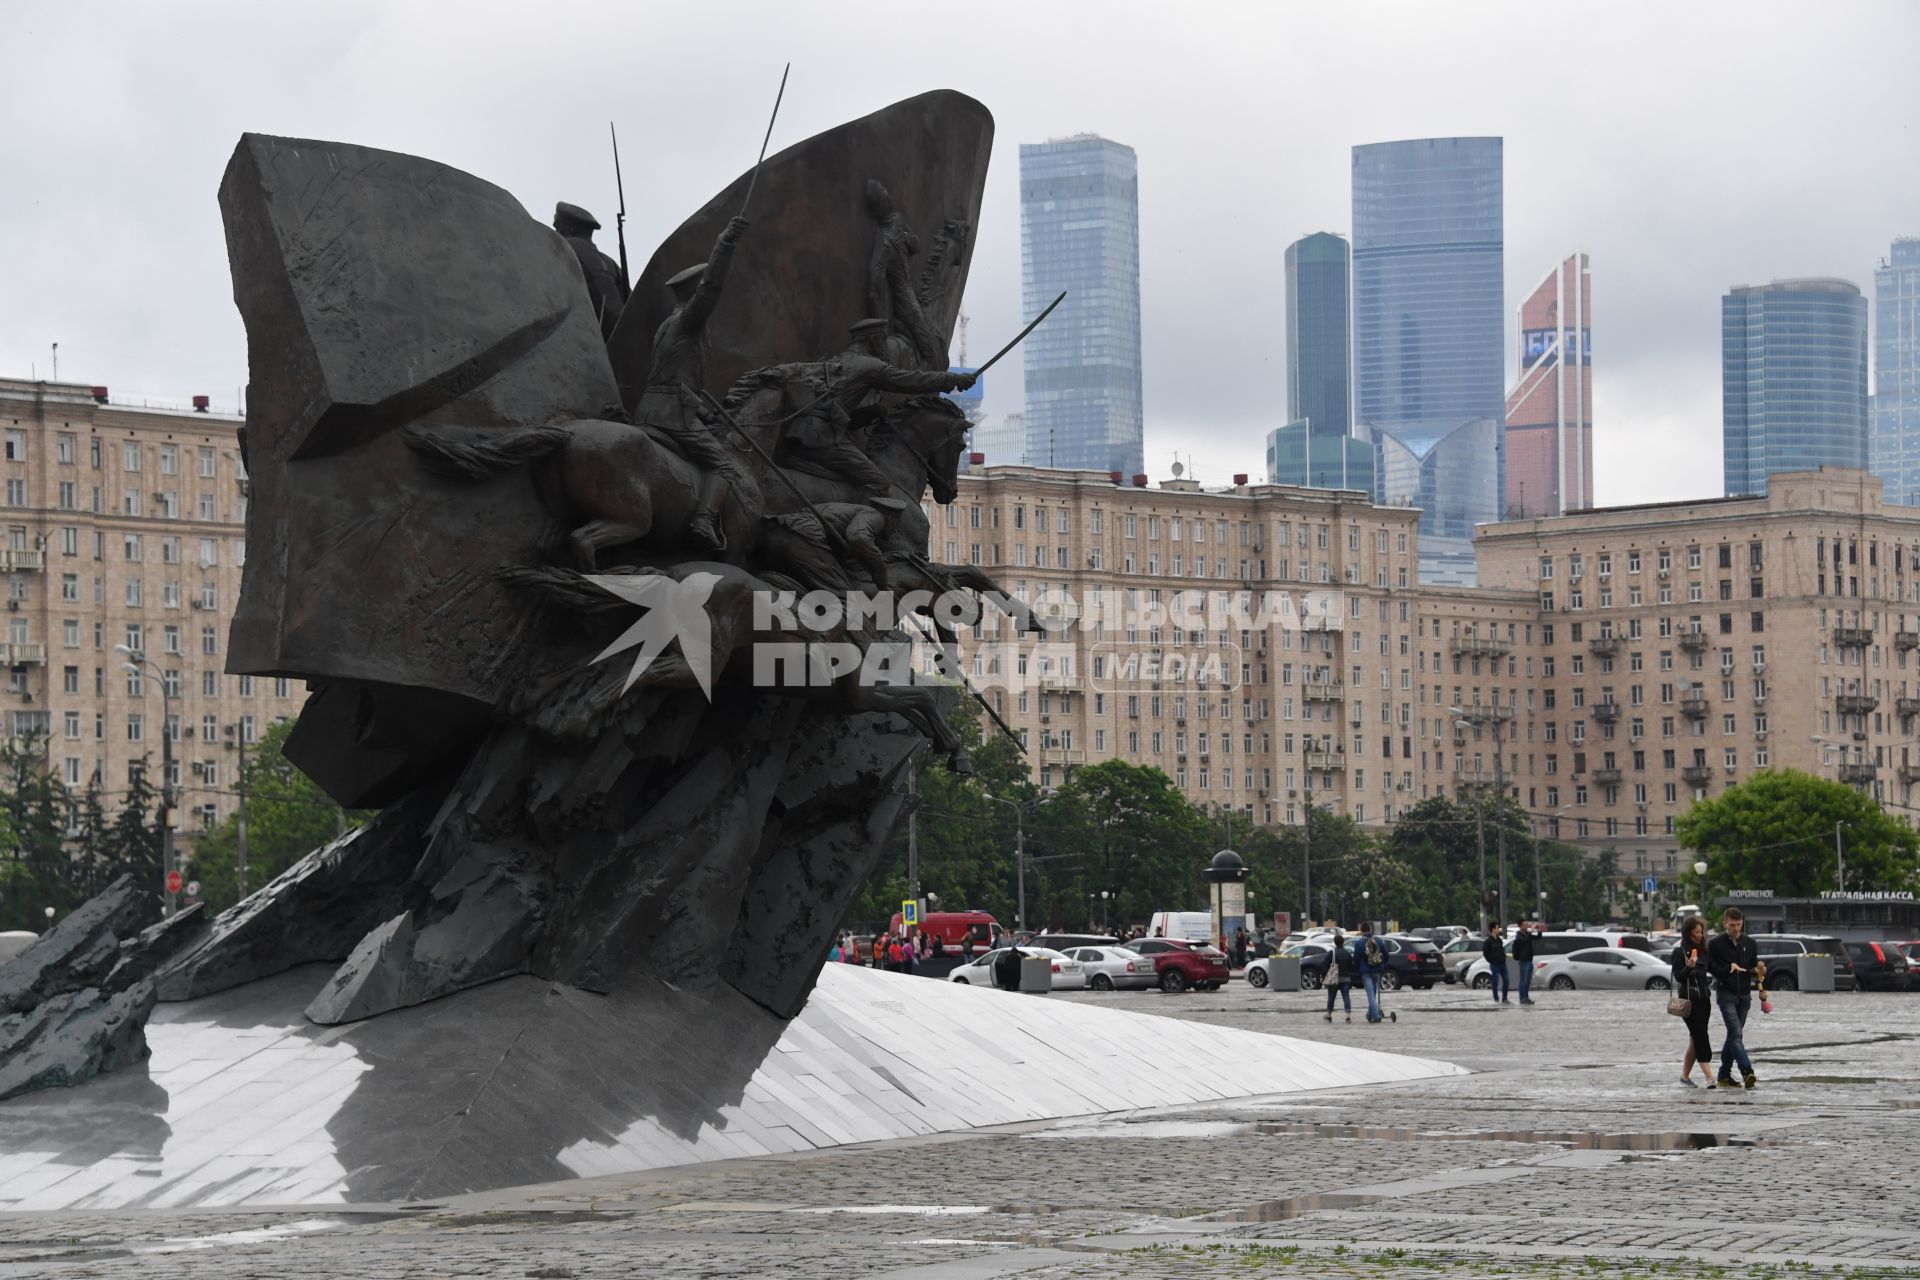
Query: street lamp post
1477,716
1306,856
1019,860
1839,844
140,664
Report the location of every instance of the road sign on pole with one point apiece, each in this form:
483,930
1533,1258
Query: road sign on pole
909,913
174,881
1650,885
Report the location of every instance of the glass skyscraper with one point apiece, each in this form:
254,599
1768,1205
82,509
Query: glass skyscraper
1793,380
1550,410
1896,373
1080,231
1428,322
1317,448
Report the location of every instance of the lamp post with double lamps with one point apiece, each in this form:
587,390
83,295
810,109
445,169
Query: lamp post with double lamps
141,665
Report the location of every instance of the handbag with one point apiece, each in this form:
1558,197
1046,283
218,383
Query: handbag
1679,1006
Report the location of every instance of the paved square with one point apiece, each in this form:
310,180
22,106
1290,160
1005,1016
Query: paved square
1572,1151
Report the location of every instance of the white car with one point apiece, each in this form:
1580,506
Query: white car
1603,968
1067,973
1109,967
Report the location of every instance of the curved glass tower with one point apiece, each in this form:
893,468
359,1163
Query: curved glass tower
1428,326
1896,372
1793,380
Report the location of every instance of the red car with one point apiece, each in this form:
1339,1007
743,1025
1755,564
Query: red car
1181,964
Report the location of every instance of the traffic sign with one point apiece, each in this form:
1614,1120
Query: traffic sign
910,912
1650,885
193,888
174,881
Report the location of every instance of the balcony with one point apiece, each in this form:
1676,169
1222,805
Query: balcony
1603,646
20,560
1694,641
1906,640
1907,706
20,655
1909,773
1322,689
1697,775
1858,773
1326,759
1480,646
1855,704
1472,780
1319,622
1060,682
1693,704
1852,637
1062,755
1606,777
1606,711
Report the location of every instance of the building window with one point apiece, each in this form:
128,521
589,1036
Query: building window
130,456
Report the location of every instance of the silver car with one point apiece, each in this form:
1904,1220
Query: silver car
1603,969
1109,967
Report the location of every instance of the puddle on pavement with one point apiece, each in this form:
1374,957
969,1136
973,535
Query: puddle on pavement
1148,1129
225,1239
1829,1080
1573,1140
905,1210
1294,1207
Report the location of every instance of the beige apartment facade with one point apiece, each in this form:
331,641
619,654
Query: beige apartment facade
125,526
1684,646
1265,645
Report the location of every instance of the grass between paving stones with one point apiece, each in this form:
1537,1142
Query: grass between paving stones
1341,1260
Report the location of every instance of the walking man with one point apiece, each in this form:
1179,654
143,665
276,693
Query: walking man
1735,962
1368,961
1495,950
1523,959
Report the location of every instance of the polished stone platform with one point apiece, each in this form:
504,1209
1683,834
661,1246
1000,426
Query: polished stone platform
246,1103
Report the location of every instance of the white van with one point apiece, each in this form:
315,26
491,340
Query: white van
1194,926
13,942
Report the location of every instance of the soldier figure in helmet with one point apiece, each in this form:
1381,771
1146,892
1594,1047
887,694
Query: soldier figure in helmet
606,286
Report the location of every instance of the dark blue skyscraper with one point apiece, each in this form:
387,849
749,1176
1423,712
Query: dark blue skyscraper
1316,448
1793,379
1428,335
1896,372
1080,231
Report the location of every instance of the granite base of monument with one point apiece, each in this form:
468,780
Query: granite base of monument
245,1102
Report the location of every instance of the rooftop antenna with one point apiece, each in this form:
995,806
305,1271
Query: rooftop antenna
1178,470
56,362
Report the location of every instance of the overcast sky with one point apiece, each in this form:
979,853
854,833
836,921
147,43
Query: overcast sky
1685,147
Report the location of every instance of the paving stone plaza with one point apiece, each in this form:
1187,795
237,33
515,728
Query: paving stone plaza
1571,1150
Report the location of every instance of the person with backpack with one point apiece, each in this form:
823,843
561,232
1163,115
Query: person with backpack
1495,951
1523,959
1339,978
1370,961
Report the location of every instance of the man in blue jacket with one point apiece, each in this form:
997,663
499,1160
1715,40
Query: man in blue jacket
1368,961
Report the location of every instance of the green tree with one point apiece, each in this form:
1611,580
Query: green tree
33,826
1775,830
288,816
131,843
1141,837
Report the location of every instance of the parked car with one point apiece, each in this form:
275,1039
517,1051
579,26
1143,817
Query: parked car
1548,945
1460,953
1879,966
1782,952
1411,962
1315,958
1259,970
1911,950
1603,969
1069,941
978,972
1181,964
1114,966
1442,934
14,941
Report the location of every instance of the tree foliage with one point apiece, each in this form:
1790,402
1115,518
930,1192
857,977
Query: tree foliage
288,816
1775,830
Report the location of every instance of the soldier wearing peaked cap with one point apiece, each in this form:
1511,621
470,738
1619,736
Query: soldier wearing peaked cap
606,286
677,368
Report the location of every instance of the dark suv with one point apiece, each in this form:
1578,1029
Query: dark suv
1412,962
1782,952
1879,966
1181,964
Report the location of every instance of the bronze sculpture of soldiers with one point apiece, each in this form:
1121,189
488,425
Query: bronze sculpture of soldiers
606,284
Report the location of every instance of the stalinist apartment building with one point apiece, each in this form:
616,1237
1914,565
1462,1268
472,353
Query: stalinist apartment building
1612,667
1319,670
126,526
1683,646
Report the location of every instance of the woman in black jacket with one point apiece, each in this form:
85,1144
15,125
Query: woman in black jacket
1690,982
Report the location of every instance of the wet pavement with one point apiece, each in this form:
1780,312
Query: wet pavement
1572,1151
